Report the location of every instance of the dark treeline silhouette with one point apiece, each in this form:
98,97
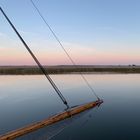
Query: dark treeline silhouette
64,69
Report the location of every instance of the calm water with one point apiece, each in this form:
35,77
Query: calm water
27,99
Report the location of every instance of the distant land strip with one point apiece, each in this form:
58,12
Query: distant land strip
69,69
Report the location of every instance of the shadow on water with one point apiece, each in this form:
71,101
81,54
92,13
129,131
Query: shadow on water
52,131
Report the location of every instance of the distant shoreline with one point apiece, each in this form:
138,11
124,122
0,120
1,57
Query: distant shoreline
69,69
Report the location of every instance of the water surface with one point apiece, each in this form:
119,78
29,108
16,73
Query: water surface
27,99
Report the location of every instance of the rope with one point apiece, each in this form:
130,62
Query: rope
36,60
58,40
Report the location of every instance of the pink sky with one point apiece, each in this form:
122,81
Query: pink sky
12,56
12,52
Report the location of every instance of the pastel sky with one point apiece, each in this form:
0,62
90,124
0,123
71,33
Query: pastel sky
92,31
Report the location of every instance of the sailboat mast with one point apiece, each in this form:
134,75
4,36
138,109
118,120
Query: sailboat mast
36,60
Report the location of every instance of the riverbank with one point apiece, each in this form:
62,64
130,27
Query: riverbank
68,69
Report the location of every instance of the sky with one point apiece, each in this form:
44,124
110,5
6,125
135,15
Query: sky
94,32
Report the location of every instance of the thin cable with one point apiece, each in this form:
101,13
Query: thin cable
36,60
58,40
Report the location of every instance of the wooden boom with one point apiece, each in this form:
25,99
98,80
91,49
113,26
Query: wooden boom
51,120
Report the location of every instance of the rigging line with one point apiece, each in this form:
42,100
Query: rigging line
36,60
58,40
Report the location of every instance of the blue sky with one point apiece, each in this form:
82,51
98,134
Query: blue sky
105,31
